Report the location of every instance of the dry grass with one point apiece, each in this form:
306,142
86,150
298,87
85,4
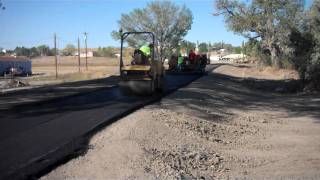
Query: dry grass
251,70
73,61
44,70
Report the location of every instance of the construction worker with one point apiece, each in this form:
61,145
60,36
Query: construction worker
192,56
192,59
180,61
146,52
146,49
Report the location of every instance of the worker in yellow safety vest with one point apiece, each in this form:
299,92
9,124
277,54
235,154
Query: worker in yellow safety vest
146,51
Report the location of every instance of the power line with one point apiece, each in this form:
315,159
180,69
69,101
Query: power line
66,41
79,53
38,41
55,53
85,38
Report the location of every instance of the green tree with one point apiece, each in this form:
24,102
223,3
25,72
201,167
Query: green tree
203,47
311,41
168,21
22,51
43,50
105,52
272,21
252,48
2,7
34,52
69,50
216,46
237,49
314,28
187,45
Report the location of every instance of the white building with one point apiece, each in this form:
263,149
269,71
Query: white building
235,57
83,54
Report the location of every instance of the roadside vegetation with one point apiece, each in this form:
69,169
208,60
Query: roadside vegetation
168,21
2,7
283,34
68,50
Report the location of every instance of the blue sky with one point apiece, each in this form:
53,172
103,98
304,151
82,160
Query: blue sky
33,22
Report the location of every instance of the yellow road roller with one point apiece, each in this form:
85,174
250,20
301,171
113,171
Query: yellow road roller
142,75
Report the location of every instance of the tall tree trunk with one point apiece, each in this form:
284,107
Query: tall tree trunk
274,58
161,53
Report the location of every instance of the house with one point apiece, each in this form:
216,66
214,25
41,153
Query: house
21,63
235,58
117,55
83,54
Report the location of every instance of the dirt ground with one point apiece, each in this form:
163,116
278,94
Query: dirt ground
44,72
215,128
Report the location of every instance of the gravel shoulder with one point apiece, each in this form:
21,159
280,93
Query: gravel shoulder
218,127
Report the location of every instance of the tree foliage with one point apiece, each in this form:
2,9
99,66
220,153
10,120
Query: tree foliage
1,51
237,49
168,21
29,52
22,51
203,47
311,34
44,50
271,21
184,44
252,48
281,31
70,49
105,52
2,7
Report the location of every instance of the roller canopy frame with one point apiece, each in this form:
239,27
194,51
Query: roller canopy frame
126,34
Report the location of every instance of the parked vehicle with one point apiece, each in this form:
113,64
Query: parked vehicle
14,71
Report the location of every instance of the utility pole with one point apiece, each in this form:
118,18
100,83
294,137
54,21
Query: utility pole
55,53
79,54
85,38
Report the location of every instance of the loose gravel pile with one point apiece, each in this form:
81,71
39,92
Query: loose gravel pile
184,163
225,131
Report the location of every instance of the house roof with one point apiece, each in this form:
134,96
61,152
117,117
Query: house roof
11,58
